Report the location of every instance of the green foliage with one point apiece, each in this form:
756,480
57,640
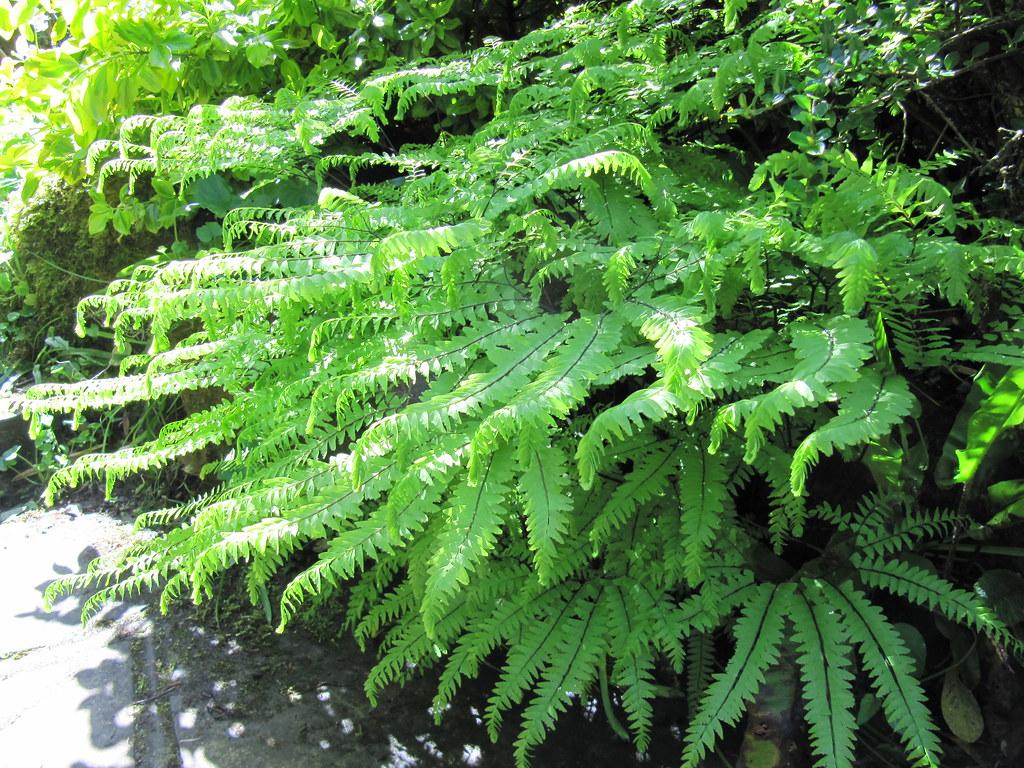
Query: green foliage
72,72
1002,409
56,256
824,659
576,380
75,70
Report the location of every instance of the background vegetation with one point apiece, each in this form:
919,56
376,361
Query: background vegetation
665,350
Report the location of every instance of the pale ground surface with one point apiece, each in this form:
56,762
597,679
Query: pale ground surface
219,691
56,679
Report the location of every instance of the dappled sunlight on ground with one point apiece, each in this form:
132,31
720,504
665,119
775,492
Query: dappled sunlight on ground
220,689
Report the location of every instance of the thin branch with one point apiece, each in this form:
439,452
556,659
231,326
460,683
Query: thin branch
949,122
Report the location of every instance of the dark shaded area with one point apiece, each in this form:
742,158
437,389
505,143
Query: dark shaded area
299,698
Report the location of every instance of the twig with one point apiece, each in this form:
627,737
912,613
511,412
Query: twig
939,111
32,472
956,663
903,138
987,26
935,146
159,694
878,756
606,704
975,65
59,268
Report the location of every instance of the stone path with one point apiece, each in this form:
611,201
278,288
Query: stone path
63,690
219,690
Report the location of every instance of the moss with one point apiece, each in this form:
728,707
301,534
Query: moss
62,262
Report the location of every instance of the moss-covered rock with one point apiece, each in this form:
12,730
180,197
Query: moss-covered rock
60,261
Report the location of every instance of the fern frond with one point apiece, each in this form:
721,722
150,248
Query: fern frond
634,673
891,668
528,656
759,633
826,355
823,653
544,486
700,660
571,669
676,328
652,404
704,500
649,479
868,410
883,526
857,263
935,593
474,519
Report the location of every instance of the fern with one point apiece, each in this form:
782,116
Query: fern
571,669
620,421
474,520
889,664
546,504
935,593
823,655
703,495
634,673
553,368
867,413
758,637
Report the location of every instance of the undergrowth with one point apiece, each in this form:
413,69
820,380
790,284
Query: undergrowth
573,379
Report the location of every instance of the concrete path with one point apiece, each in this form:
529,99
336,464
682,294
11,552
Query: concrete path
217,688
63,689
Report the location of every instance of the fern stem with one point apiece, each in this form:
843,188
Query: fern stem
67,271
606,704
956,663
880,737
987,549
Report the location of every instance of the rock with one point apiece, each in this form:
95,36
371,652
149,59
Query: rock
13,430
62,262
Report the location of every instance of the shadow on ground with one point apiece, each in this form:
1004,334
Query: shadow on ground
221,690
239,699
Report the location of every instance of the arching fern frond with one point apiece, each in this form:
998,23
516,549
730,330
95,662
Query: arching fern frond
890,665
759,633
